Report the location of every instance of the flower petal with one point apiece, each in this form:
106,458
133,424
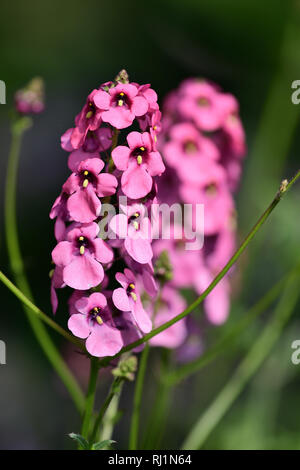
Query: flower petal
83,273
136,182
120,156
104,341
79,326
84,206
120,299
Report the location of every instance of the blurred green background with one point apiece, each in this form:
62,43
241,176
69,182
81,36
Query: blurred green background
250,48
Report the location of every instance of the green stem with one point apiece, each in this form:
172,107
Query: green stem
114,391
181,373
110,417
90,398
161,406
285,186
17,267
134,429
250,364
39,313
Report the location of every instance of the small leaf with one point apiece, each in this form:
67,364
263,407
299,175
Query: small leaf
80,439
101,445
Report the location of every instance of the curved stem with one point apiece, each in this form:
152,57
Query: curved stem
284,187
17,267
250,364
114,391
40,313
134,429
90,399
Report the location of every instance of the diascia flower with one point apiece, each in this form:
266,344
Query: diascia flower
121,104
80,256
89,119
95,322
127,299
102,172
139,162
135,228
89,185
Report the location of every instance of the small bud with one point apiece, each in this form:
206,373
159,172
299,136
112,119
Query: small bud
30,99
126,368
122,77
283,186
163,268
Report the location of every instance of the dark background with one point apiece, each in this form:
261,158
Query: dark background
250,48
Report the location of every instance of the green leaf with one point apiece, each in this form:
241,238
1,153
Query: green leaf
80,439
101,445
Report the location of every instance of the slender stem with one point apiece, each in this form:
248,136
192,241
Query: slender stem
250,364
134,429
90,398
110,417
285,186
39,313
161,406
181,373
17,267
114,391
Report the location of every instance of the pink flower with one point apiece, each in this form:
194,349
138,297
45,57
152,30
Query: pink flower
94,143
80,256
31,99
127,299
212,191
139,163
204,104
188,151
170,304
94,322
121,104
135,228
185,263
89,119
83,205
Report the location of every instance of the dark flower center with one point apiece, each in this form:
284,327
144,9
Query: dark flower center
140,153
87,177
133,220
94,315
91,110
211,190
131,291
202,101
190,147
122,100
82,243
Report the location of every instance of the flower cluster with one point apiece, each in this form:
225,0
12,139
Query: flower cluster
30,99
202,142
108,273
